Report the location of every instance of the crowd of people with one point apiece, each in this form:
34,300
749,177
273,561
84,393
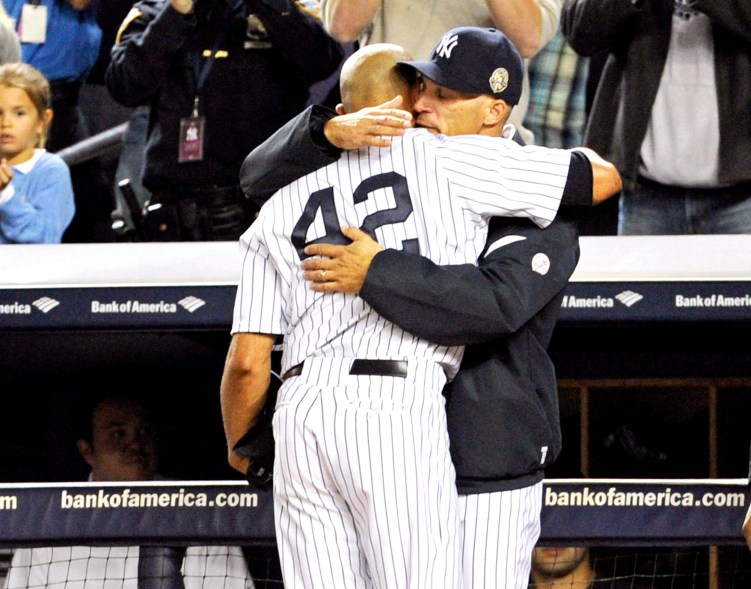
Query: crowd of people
181,84
427,317
203,83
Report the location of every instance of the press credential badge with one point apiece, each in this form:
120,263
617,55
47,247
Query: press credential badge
191,137
33,27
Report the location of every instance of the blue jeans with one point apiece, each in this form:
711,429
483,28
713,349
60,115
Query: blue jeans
650,208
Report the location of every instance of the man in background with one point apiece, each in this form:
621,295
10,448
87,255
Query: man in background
118,440
416,24
219,77
668,110
571,567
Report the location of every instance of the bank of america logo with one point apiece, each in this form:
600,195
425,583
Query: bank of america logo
629,297
45,304
191,304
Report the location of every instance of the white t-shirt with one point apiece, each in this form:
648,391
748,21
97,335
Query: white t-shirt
682,143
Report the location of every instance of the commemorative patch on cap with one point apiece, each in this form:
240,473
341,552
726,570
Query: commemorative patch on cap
499,80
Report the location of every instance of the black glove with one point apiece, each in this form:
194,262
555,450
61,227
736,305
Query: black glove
258,442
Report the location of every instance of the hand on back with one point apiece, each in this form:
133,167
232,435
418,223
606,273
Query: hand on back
340,268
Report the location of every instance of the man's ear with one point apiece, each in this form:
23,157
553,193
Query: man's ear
498,113
86,452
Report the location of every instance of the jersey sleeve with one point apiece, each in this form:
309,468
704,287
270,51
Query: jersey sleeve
498,177
523,269
259,298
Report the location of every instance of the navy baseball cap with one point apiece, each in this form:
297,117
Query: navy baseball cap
475,60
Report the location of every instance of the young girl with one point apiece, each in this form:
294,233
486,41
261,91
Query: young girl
36,193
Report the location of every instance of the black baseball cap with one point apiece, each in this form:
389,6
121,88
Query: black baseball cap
475,60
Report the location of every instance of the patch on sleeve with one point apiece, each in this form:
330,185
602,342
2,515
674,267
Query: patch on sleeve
540,263
129,18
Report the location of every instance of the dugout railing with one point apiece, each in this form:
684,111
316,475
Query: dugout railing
665,533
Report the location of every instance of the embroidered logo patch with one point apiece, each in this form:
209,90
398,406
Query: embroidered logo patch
540,263
499,80
446,46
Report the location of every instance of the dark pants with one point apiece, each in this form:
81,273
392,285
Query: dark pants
211,213
66,128
93,193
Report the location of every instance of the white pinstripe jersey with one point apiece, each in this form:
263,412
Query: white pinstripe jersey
426,194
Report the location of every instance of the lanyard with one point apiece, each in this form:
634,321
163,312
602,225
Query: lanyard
202,72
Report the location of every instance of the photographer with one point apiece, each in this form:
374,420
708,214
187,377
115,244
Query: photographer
219,77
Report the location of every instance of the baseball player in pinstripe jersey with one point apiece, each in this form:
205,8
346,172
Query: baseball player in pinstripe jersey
506,309
363,486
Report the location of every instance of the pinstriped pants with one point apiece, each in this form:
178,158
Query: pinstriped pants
364,487
499,531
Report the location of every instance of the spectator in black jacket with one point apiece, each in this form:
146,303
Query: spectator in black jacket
219,78
670,62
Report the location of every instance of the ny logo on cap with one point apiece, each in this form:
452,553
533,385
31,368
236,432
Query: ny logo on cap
446,46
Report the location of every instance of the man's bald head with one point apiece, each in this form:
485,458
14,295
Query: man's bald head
371,76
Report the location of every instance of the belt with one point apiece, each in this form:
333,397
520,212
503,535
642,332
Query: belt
740,189
363,366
